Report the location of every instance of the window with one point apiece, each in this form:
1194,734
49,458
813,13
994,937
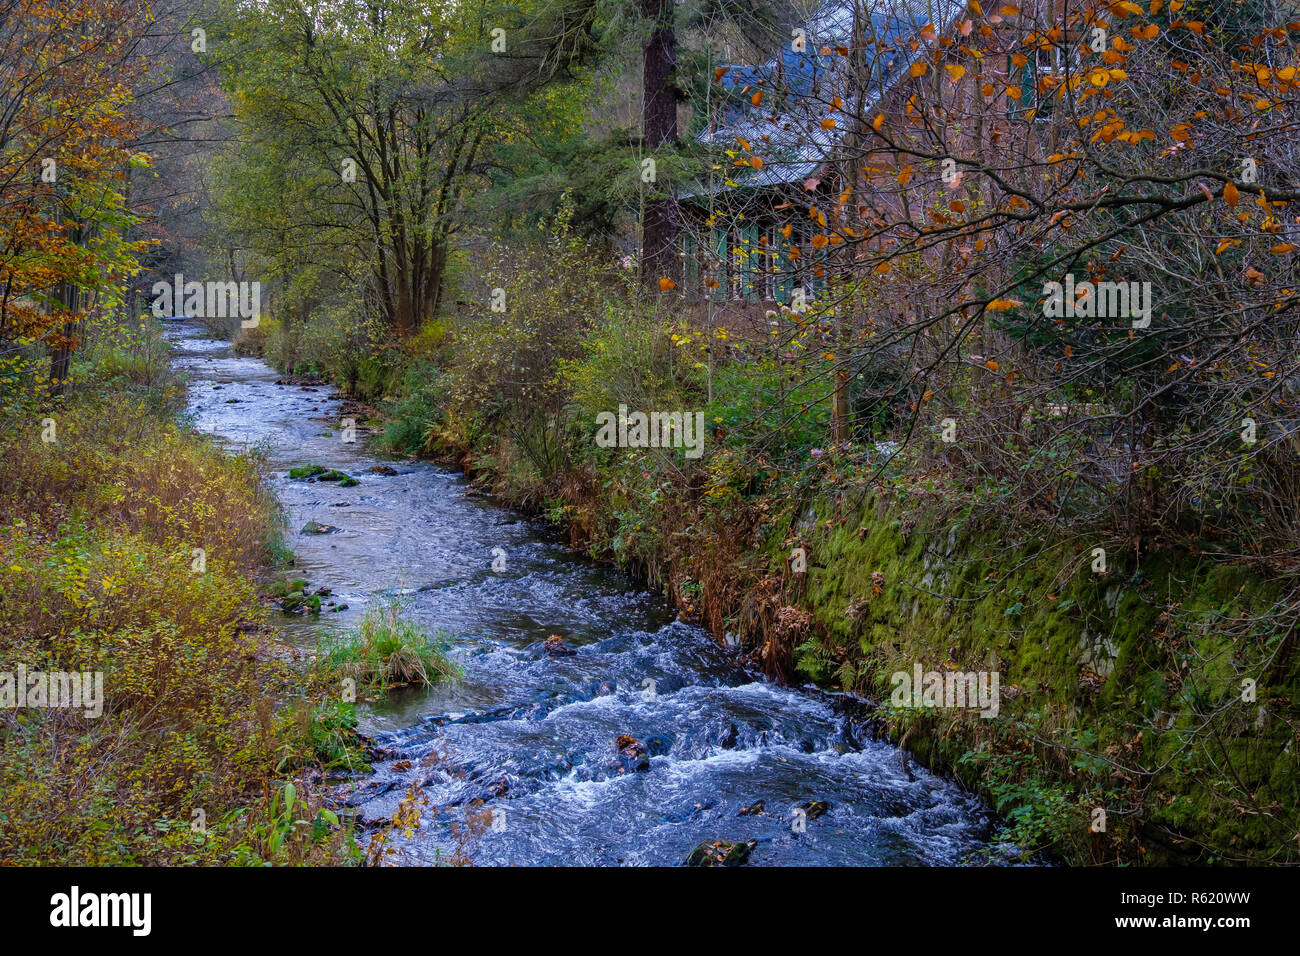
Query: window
1042,63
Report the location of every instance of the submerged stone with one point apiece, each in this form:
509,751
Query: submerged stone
315,527
721,853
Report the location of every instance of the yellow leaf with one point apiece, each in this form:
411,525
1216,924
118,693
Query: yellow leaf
919,68
828,123
1001,305
878,122
956,71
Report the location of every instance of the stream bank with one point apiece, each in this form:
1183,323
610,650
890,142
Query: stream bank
1147,712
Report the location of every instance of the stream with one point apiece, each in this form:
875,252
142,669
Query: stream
533,733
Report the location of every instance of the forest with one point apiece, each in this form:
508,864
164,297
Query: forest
649,432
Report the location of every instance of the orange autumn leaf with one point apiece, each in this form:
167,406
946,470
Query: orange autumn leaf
666,284
1230,194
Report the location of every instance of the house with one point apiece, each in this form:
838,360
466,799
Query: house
790,142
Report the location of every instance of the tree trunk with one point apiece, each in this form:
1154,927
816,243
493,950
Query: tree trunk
840,430
659,128
61,359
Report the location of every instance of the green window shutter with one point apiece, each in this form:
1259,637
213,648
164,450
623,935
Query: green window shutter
750,262
784,270
691,270
1029,83
719,272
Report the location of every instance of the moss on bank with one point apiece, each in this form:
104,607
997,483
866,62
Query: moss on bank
1126,690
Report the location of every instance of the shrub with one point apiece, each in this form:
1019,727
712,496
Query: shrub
99,572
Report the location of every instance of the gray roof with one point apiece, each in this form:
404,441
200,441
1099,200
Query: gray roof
791,141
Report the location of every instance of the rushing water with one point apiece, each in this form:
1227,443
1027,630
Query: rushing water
533,734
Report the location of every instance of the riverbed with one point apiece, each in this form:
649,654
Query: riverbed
532,733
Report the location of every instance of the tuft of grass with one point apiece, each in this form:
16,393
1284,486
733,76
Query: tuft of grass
387,651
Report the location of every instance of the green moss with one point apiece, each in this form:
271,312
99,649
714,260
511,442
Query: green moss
1092,665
